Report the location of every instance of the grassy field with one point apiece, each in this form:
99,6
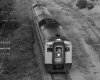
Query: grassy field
20,63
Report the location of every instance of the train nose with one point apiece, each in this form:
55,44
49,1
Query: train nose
58,52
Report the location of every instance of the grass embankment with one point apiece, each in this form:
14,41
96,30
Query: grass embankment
20,64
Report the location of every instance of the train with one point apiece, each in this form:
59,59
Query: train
56,48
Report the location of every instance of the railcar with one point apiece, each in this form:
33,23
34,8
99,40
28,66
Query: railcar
56,48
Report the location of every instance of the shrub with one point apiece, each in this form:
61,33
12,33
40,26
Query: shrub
90,6
81,4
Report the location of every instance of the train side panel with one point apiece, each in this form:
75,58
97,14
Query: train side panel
48,54
68,54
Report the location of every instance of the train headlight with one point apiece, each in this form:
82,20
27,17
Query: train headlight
58,55
58,39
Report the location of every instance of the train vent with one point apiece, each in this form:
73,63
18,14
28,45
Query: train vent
50,21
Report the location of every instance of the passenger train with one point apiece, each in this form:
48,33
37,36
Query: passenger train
56,48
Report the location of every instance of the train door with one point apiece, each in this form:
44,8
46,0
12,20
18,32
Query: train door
58,53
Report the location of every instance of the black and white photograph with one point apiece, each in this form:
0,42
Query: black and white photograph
49,40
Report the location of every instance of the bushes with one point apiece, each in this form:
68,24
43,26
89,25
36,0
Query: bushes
8,27
17,65
81,4
90,6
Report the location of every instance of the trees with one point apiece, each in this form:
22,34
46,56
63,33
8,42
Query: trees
8,21
81,4
90,6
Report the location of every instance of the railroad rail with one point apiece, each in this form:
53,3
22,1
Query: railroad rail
39,47
63,76
38,32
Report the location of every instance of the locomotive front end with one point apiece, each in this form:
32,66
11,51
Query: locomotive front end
58,52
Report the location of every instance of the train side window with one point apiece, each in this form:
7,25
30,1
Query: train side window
49,49
67,49
42,22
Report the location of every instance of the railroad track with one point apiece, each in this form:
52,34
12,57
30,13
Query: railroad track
39,49
58,77
62,76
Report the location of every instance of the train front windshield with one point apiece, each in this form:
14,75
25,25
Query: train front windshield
58,52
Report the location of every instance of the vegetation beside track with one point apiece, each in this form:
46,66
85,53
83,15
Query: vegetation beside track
20,63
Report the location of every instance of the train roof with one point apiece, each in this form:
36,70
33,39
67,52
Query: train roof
49,23
53,38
